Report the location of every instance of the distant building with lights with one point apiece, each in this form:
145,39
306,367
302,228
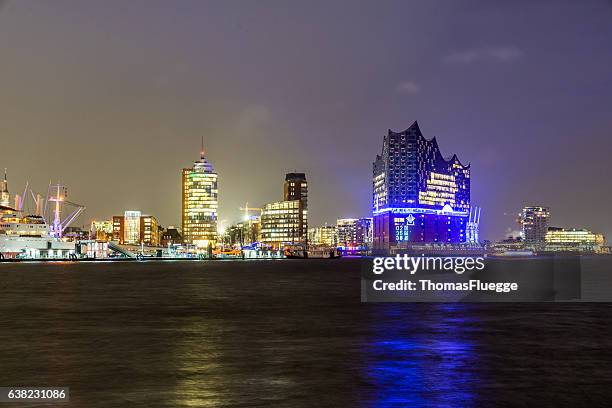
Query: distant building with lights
418,195
324,235
135,228
572,239
534,222
5,198
354,232
171,236
282,223
246,232
296,188
101,230
200,204
286,222
73,233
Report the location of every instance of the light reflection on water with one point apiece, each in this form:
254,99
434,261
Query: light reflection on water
426,362
198,376
291,335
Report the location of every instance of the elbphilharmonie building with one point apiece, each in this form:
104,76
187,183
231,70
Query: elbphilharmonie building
418,195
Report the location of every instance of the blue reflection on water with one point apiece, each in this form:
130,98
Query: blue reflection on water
422,359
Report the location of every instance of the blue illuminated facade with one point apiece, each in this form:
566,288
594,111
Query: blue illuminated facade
418,195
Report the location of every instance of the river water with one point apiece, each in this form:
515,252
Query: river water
285,333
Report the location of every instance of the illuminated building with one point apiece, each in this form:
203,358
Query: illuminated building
296,188
134,228
286,222
5,199
101,230
149,230
118,222
534,221
561,239
418,195
324,235
200,204
354,232
282,223
131,225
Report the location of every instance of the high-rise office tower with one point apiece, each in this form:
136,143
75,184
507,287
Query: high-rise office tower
5,198
286,222
200,204
534,221
296,188
418,195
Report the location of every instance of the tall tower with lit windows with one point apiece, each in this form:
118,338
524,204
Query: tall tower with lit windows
200,203
534,222
418,195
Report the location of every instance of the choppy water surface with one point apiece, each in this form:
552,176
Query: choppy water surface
287,334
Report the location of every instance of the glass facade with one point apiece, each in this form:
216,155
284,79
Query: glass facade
418,195
200,204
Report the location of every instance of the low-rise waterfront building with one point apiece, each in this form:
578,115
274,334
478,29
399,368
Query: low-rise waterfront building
135,228
171,236
573,239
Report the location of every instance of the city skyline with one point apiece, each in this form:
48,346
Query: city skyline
117,132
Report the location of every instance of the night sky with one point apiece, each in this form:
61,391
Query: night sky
112,97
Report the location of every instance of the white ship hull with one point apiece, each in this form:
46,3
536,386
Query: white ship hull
35,247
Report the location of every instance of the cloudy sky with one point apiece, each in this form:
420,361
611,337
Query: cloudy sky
112,97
